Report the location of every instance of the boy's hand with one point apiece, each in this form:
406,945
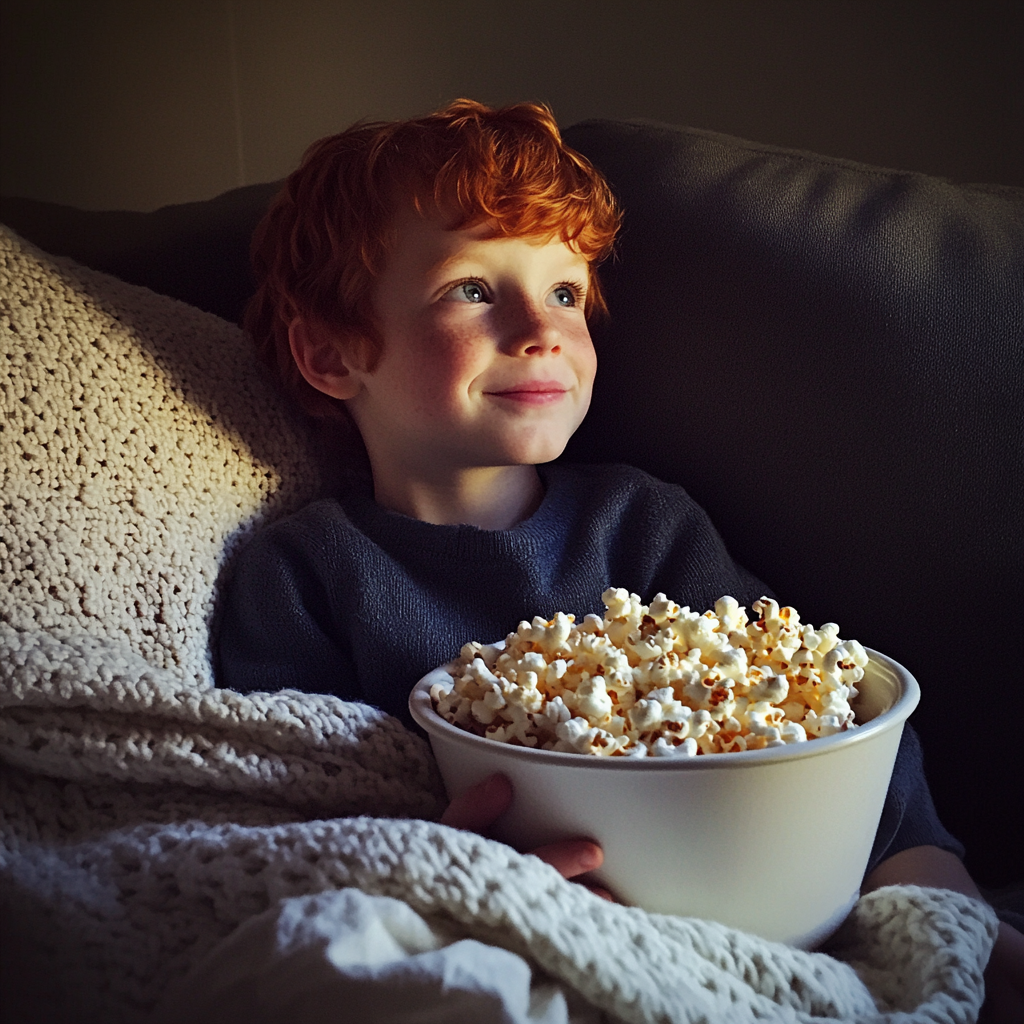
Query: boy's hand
481,805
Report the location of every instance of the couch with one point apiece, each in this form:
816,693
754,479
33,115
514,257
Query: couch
827,355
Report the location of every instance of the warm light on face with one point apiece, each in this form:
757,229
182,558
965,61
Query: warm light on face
487,359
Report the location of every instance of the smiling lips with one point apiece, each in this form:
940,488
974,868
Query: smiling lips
533,392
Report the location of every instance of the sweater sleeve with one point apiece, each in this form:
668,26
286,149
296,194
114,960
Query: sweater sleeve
275,630
692,544
689,545
908,816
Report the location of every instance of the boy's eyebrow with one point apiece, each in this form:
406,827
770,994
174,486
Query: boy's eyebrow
455,259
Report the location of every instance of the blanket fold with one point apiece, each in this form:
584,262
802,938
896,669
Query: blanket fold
145,890
84,710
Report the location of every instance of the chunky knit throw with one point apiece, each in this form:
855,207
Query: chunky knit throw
146,814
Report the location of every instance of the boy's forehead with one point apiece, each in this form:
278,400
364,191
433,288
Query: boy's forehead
430,244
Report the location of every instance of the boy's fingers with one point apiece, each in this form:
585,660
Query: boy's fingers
571,857
599,890
479,806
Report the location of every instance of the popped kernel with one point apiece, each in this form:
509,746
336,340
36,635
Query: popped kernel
657,680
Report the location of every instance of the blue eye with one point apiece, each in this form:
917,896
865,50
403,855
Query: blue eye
567,295
468,291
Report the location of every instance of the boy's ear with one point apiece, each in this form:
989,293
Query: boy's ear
318,354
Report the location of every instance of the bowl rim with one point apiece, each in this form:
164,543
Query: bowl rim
422,710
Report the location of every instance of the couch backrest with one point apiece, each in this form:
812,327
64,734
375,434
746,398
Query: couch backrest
830,358
197,252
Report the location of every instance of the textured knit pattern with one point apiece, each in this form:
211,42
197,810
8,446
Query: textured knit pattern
140,447
146,814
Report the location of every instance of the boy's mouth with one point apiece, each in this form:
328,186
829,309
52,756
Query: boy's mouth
532,392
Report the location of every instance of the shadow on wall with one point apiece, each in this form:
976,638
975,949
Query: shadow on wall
119,105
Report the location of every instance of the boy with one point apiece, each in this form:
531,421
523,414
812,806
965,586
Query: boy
428,284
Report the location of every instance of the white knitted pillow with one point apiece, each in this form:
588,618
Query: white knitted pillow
139,447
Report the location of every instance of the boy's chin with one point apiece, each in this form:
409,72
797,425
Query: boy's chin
533,455
534,449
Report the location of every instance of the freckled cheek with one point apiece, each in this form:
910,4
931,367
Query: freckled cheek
444,367
582,349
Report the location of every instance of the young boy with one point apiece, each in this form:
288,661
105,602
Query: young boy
428,284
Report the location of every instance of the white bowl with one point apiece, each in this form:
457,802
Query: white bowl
771,841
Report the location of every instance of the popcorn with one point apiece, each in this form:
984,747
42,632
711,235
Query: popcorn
657,680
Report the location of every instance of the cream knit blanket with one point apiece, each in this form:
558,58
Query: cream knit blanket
147,814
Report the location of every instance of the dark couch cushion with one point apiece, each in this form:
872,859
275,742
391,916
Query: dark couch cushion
196,252
829,357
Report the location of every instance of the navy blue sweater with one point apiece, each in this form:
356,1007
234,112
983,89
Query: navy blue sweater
349,598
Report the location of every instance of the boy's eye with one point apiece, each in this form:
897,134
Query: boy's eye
468,291
566,295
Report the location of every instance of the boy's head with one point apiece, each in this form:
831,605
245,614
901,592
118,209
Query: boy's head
326,240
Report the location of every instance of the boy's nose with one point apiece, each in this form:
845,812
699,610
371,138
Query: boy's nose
529,332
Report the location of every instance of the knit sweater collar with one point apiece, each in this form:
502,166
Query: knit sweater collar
391,529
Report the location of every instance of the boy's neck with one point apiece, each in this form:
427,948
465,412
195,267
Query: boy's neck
493,498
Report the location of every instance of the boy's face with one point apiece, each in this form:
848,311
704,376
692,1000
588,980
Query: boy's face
487,359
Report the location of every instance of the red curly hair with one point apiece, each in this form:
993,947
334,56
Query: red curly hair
327,234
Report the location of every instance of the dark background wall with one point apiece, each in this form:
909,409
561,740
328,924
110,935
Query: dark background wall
138,103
